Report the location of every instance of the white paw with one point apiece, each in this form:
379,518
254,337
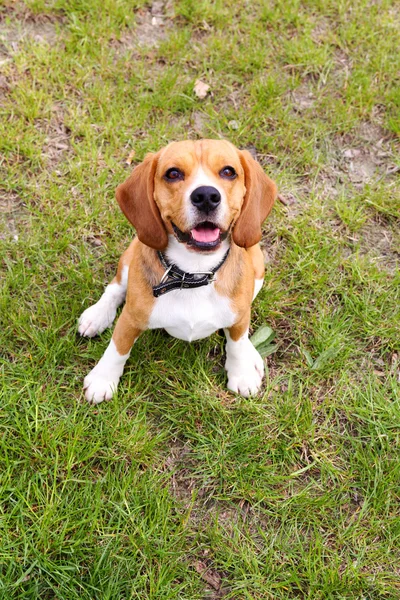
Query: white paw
95,319
100,386
102,381
245,372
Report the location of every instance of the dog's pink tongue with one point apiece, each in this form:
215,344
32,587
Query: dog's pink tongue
205,234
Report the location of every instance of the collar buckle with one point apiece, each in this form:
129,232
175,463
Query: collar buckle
165,276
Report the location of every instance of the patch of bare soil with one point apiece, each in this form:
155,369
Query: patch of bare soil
321,30
302,98
204,508
230,517
271,245
57,143
341,69
363,155
194,126
12,210
211,577
381,363
195,501
25,25
152,26
377,241
199,123
185,488
182,485
5,86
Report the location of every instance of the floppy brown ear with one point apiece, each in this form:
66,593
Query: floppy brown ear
136,199
259,199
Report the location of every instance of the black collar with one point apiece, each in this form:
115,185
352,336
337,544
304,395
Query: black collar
176,279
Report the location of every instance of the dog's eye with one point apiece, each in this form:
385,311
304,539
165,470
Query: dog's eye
228,173
174,174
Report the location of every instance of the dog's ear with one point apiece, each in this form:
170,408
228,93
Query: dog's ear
136,199
257,204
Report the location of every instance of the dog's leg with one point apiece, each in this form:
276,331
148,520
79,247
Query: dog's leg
257,259
258,283
95,319
244,365
102,381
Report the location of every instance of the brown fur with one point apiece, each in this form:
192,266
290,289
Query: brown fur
125,261
136,199
257,260
144,272
150,204
259,199
125,333
237,282
241,326
188,156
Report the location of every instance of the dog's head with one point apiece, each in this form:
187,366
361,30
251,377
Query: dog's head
201,192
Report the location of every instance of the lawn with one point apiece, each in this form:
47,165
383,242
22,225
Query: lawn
177,489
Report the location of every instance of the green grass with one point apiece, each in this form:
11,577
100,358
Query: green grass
295,493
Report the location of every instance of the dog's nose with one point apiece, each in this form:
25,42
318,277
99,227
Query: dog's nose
206,198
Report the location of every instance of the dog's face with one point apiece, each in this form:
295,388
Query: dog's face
199,189
201,192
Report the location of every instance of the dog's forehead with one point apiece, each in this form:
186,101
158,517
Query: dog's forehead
199,153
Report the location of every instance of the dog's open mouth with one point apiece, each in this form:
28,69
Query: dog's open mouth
206,233
205,236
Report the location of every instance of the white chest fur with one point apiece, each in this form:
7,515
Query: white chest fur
192,314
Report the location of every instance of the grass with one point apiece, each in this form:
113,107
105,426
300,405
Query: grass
177,489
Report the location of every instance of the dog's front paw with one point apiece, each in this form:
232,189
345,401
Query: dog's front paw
99,387
95,319
245,373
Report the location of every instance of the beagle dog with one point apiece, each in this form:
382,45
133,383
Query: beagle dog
195,265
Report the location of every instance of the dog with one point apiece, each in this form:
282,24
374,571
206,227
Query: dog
195,265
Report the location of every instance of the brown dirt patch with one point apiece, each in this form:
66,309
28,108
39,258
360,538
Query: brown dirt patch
5,86
26,26
362,156
378,242
199,123
182,485
152,27
359,164
271,245
322,29
57,142
191,126
302,98
341,69
211,577
200,501
12,211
